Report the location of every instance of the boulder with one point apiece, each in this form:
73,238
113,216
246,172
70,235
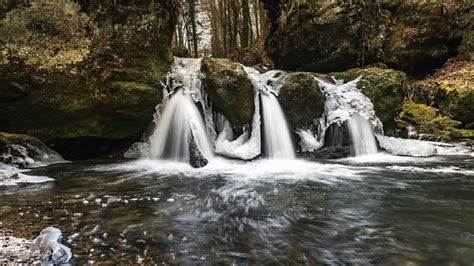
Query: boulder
230,90
77,74
301,99
196,159
384,87
23,151
326,35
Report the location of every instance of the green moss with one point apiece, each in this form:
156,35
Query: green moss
301,99
418,113
427,120
230,90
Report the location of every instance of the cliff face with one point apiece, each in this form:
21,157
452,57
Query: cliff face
87,73
324,35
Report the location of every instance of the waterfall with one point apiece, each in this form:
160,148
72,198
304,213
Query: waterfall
277,139
362,135
276,132
178,120
347,106
179,123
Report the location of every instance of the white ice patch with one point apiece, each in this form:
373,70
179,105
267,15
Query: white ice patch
46,247
11,176
421,148
408,147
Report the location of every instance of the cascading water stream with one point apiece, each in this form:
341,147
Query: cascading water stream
346,105
276,132
179,124
362,136
277,139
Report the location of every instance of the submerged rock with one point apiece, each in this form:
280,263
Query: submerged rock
324,36
196,159
329,153
80,73
230,91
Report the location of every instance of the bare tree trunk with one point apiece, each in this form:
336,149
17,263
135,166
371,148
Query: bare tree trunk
246,24
263,20
256,4
192,15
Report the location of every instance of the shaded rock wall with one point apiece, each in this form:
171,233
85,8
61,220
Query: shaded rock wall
84,72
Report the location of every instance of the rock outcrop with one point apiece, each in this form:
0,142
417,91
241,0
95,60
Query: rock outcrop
301,99
230,91
442,106
24,151
196,159
323,36
83,76
384,87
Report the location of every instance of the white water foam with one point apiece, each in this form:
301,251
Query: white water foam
254,171
433,170
179,124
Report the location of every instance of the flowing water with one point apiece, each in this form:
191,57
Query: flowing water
277,138
178,125
362,135
382,209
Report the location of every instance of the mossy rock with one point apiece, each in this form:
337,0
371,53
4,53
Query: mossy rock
384,87
427,120
83,71
230,90
301,99
451,90
417,113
